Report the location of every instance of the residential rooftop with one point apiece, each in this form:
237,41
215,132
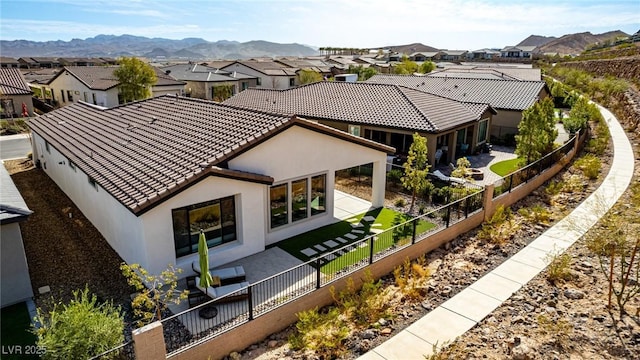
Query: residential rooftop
144,152
13,83
500,94
366,104
12,208
102,78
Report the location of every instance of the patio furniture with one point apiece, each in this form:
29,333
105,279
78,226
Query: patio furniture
220,291
449,179
438,155
227,276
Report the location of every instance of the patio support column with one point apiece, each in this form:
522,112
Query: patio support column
379,177
148,342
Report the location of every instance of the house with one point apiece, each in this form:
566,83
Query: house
151,174
425,56
489,72
453,55
208,83
8,62
97,85
15,284
388,114
80,61
269,74
46,62
517,52
15,94
509,98
484,54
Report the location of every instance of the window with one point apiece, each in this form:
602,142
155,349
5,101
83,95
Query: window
279,205
305,200
72,165
217,218
259,81
47,147
292,81
482,130
354,130
245,85
62,93
7,107
299,199
93,95
318,194
70,95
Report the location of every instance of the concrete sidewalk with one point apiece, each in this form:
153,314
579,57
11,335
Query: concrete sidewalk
463,311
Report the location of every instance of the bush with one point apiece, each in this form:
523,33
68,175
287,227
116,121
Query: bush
400,202
559,329
500,228
536,213
365,306
324,334
589,165
394,176
412,278
559,268
83,328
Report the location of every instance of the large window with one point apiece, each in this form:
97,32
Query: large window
297,200
217,218
279,205
482,130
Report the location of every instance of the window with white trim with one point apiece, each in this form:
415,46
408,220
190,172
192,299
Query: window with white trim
483,127
297,199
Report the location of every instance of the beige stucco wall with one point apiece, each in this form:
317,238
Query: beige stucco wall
167,90
505,122
15,283
66,81
18,100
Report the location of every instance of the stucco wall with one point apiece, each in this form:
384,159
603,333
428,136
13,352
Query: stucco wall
120,227
266,81
164,90
18,100
299,152
505,122
250,223
16,284
66,81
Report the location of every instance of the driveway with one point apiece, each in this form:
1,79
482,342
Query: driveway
14,146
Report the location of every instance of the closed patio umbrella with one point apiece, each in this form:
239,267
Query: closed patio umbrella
203,252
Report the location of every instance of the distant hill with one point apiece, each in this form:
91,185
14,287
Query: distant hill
410,49
573,43
128,45
536,40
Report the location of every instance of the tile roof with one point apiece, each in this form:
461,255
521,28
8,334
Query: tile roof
271,68
146,151
500,94
363,103
13,83
12,205
102,78
8,60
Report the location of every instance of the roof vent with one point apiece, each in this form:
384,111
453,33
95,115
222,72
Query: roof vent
153,120
455,86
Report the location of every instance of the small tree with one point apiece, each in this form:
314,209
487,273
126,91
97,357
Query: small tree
309,76
416,168
81,329
536,131
406,67
136,78
463,169
160,290
427,67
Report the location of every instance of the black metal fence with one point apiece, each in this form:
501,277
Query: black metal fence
266,295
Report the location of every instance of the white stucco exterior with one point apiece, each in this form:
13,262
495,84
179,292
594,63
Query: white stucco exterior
280,82
148,239
68,83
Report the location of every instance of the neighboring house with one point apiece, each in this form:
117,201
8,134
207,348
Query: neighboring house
208,83
425,56
453,55
517,52
46,62
151,174
97,85
269,74
482,72
80,61
14,92
509,98
8,62
15,284
387,114
484,54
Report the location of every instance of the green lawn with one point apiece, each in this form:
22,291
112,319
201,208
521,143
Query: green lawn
387,218
506,167
16,332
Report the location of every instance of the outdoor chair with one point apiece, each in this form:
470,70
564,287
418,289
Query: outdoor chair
220,291
227,276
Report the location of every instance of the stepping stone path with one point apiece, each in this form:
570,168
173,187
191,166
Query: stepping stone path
342,240
351,236
357,225
330,243
357,231
319,247
368,218
308,252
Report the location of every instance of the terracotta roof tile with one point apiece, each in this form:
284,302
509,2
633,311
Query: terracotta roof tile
363,103
12,82
500,94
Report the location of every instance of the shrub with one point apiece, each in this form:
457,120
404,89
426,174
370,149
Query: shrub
400,202
412,278
559,268
554,187
558,329
573,184
500,228
590,166
394,176
365,306
83,328
324,334
536,213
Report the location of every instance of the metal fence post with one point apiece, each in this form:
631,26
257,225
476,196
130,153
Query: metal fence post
510,182
250,301
413,234
448,214
371,250
318,272
466,207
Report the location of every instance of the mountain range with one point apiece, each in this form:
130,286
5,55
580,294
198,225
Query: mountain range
129,45
198,49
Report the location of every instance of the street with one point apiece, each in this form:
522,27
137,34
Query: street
14,146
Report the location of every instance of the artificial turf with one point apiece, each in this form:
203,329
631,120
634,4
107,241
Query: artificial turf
506,167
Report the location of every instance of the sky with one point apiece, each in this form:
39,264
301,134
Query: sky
444,24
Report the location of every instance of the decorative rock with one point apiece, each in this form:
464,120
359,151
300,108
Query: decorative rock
524,350
369,334
426,305
272,344
517,320
573,294
383,322
386,331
